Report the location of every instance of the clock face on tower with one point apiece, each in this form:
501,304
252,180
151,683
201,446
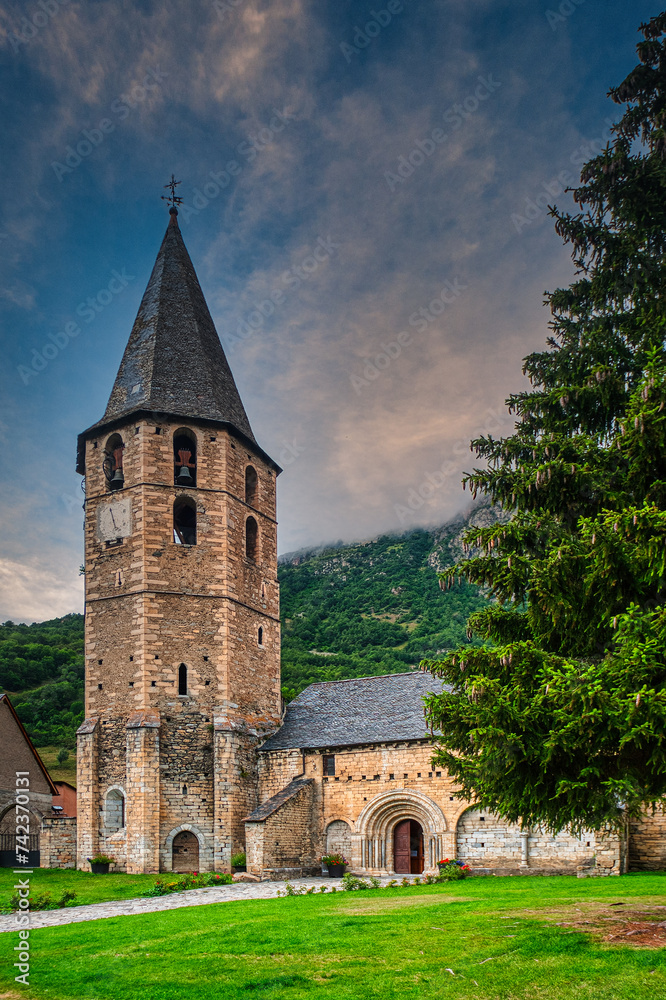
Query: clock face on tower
114,520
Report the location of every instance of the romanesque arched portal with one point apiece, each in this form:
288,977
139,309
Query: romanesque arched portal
375,829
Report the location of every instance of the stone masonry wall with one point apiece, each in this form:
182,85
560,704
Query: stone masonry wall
647,842
57,842
484,840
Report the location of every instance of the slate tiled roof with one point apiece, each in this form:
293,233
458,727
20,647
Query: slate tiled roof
174,362
363,710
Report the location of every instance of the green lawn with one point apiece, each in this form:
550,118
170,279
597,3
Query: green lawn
89,888
498,936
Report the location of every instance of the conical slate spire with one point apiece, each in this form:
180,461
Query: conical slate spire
174,362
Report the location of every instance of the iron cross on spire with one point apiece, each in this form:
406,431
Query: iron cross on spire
173,198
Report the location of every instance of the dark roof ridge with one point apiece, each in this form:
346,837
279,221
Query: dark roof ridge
366,677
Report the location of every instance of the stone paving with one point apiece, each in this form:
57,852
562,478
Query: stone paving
191,897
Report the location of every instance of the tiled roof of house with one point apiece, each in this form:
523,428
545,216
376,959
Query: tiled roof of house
381,709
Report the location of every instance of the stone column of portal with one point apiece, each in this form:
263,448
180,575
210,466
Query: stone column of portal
143,793
447,846
87,797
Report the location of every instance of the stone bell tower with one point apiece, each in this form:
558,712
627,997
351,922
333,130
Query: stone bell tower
182,626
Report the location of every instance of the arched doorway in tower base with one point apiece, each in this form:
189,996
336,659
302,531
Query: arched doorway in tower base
185,852
408,853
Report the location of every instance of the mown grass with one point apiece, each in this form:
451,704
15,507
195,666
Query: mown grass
490,939
89,888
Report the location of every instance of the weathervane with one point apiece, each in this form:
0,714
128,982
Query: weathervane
173,198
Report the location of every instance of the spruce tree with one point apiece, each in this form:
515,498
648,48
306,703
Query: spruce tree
559,718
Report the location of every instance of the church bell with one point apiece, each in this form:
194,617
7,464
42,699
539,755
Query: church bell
117,480
184,477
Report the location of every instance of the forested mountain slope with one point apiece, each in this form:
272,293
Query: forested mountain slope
347,611
41,667
372,607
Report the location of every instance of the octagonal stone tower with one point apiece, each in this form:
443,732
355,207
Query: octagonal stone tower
182,606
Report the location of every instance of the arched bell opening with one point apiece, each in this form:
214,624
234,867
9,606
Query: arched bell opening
184,457
184,521
408,847
112,463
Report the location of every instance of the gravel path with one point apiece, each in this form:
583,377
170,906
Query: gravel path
130,907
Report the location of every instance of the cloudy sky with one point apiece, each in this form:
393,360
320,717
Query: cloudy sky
413,145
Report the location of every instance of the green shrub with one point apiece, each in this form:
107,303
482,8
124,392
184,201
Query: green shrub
450,870
238,860
177,883
43,901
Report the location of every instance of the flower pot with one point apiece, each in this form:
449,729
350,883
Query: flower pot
240,868
100,867
335,871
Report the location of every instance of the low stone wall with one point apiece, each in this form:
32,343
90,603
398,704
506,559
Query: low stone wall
57,842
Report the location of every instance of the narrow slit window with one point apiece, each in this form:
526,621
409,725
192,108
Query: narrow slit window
184,521
182,679
260,636
251,538
251,481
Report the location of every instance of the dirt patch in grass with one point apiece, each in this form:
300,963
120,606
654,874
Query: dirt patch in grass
634,928
637,924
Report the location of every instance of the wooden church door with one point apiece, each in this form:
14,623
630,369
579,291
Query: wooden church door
402,847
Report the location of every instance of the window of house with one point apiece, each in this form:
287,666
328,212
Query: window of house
329,764
251,538
184,521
